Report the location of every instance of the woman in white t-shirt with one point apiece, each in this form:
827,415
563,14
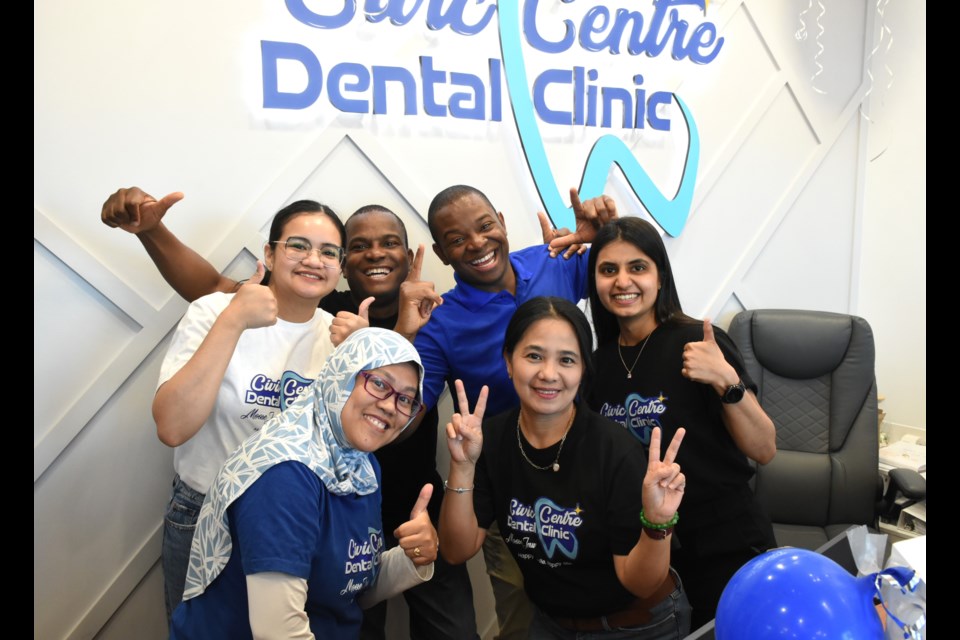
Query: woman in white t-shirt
238,359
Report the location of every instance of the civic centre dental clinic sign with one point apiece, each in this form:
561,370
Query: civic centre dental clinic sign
558,96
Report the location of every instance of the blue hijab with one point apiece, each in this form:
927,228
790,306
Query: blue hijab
309,431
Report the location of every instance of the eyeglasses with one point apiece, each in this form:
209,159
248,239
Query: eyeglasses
297,249
381,390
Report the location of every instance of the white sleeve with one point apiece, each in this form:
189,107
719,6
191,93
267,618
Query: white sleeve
277,602
397,574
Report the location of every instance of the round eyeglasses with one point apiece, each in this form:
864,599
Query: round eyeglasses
297,250
381,390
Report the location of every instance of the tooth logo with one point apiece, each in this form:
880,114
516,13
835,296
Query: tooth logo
670,213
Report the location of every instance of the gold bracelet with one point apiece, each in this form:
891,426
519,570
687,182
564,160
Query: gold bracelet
456,489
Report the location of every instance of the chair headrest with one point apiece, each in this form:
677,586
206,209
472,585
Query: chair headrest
800,344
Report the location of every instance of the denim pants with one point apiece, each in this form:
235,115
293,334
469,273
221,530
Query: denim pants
671,621
440,609
179,522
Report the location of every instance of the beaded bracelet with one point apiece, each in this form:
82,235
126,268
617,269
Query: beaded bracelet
666,525
658,531
456,489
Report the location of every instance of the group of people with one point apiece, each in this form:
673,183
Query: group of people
281,522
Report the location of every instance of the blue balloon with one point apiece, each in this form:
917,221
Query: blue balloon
798,594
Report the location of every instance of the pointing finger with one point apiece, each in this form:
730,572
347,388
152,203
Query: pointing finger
546,229
674,447
481,407
653,455
416,265
575,200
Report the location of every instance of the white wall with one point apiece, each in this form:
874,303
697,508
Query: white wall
801,201
893,282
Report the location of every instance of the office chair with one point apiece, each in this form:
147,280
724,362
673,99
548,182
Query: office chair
815,376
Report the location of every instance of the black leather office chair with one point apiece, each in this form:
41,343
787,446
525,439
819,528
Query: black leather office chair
816,381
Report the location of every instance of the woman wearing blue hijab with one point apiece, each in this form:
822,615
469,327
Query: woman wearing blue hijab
289,539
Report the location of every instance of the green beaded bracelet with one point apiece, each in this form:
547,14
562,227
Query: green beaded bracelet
652,525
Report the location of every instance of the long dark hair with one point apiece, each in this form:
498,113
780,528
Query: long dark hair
645,237
542,307
291,211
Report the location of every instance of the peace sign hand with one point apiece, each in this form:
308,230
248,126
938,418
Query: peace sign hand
417,300
663,484
464,436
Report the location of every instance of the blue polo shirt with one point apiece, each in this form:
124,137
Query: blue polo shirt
464,338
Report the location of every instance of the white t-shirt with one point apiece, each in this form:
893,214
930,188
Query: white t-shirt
269,368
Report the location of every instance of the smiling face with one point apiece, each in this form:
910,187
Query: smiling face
546,366
307,279
627,284
378,259
369,423
472,238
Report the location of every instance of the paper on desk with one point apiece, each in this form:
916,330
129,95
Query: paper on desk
904,455
911,553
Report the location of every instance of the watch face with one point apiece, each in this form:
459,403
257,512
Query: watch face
734,393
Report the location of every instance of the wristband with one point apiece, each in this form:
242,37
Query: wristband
653,525
456,489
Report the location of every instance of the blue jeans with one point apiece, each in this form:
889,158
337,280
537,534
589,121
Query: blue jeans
178,524
670,621
440,609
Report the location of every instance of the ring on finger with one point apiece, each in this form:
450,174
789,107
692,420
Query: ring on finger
416,552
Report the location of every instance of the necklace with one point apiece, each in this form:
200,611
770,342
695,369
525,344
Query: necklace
556,461
635,360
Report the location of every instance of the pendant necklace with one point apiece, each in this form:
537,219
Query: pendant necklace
635,360
556,461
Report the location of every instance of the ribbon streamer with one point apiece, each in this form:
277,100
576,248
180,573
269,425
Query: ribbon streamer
885,34
801,34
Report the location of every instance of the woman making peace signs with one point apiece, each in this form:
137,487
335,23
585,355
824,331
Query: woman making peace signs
587,514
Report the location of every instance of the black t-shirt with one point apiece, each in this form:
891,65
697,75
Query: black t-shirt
564,527
408,465
717,472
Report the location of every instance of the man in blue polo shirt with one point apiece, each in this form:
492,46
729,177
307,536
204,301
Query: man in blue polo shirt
464,337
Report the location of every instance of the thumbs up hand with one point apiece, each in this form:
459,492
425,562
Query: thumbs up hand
254,305
346,323
704,362
417,536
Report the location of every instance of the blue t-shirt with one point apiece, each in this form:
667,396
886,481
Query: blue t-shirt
287,521
464,338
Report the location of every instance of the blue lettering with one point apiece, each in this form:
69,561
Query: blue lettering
273,98
299,10
535,40
382,75
545,79
430,77
337,84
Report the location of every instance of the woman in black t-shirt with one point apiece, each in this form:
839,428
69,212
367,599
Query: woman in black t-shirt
585,512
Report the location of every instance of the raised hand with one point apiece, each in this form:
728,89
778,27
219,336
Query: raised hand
136,211
590,216
345,323
417,536
417,299
254,305
663,485
464,437
550,234
704,362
